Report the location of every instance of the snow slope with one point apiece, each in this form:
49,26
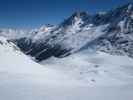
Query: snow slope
18,72
95,68
23,79
81,76
15,62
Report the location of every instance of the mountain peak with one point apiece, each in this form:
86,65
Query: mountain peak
76,17
129,4
127,7
79,14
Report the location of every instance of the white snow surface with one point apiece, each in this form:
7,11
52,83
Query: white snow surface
95,68
98,76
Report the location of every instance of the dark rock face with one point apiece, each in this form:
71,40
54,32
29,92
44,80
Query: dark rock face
40,51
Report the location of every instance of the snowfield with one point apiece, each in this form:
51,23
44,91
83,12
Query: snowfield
95,68
82,76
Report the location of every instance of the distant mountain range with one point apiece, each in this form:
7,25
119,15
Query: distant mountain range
110,32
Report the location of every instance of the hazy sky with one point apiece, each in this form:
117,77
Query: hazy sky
34,13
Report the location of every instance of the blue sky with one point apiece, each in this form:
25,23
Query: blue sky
34,13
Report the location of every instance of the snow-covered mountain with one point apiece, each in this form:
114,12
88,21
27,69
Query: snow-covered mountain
119,34
16,65
77,77
97,68
111,32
